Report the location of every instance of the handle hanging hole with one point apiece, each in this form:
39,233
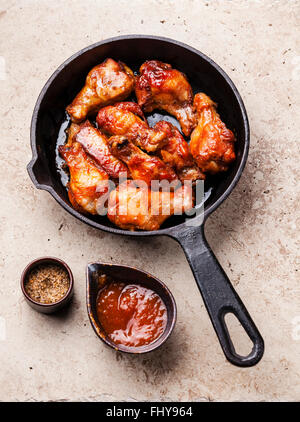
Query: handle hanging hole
241,341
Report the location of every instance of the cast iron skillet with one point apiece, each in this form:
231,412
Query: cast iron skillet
204,75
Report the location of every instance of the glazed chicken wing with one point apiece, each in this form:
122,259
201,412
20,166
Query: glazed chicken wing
87,181
159,86
134,208
212,144
141,165
96,145
127,119
105,84
176,154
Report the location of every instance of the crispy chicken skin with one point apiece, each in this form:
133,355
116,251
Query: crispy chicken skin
159,86
71,132
96,145
87,181
126,119
134,208
141,165
131,107
105,84
176,154
212,144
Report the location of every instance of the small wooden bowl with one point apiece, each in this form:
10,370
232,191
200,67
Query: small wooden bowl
47,308
126,274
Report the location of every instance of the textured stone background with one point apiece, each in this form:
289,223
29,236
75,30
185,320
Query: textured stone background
254,233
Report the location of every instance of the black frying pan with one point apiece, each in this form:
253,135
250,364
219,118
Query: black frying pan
204,75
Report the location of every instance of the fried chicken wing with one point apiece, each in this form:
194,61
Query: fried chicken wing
87,181
212,144
96,145
159,86
127,119
134,208
176,154
105,84
141,165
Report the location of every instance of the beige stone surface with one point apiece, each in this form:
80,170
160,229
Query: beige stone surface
255,233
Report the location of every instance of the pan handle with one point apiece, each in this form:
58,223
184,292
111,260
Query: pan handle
218,294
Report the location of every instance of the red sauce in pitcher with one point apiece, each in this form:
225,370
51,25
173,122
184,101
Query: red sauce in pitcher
131,314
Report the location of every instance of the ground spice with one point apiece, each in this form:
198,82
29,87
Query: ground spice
47,283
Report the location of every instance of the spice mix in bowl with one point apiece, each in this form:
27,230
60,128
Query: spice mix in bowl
47,284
